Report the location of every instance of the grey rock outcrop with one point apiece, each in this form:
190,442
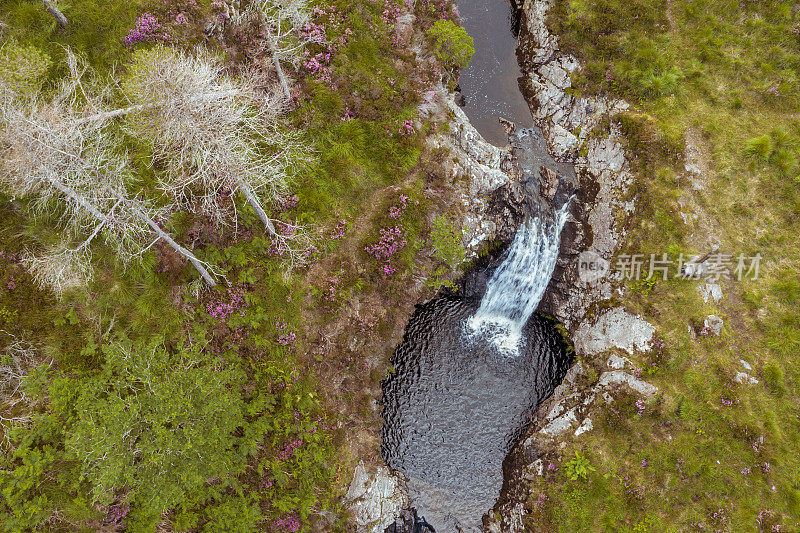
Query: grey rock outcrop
712,325
616,328
484,167
745,379
710,291
375,500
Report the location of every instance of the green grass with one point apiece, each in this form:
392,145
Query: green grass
728,72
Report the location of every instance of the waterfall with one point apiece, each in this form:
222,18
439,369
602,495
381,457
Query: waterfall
518,284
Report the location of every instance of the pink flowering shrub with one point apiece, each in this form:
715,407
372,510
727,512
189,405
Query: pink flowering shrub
284,336
321,49
406,127
290,522
285,203
222,308
147,29
287,452
392,241
339,231
174,21
117,512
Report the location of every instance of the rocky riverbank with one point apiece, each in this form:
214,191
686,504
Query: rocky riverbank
596,230
575,160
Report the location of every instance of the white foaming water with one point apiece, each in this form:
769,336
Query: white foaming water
518,284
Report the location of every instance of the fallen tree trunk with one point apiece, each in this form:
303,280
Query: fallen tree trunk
81,201
62,20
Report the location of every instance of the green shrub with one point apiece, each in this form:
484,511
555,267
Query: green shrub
446,239
234,514
23,68
760,147
778,148
452,45
773,379
578,467
178,409
646,71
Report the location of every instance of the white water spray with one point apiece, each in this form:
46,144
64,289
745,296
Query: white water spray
518,284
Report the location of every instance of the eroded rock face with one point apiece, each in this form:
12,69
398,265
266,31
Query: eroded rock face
569,122
376,500
484,167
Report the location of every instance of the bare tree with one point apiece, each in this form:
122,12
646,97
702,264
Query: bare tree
59,160
215,135
282,22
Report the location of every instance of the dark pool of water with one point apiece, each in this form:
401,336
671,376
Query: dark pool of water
490,81
455,406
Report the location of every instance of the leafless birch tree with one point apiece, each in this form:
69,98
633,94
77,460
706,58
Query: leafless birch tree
215,136
17,359
281,22
53,156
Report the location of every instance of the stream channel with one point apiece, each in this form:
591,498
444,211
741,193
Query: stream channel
474,364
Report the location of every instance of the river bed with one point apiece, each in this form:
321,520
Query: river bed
490,84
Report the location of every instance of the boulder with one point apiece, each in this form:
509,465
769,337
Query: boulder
712,325
376,500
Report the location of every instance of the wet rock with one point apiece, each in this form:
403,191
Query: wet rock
713,325
568,122
409,522
548,180
375,500
616,328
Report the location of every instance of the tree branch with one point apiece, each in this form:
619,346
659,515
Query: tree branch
62,20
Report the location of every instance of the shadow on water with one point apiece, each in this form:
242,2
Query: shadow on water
490,83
